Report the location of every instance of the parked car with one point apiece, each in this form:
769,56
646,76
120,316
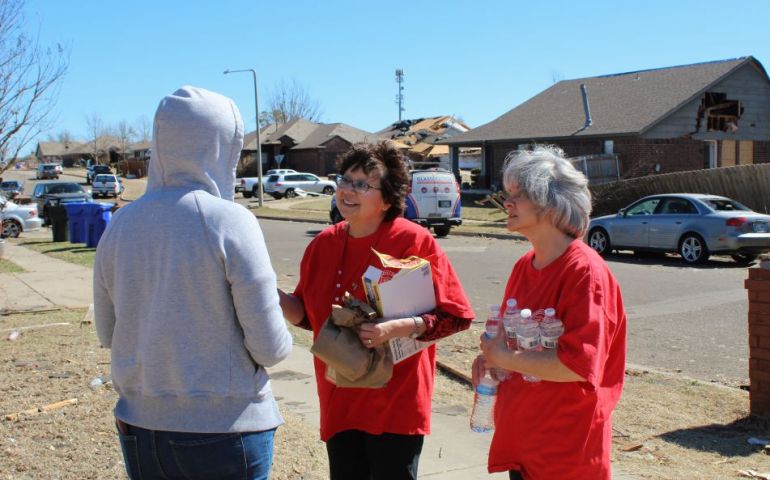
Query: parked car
286,184
693,225
433,201
94,170
248,185
11,188
17,218
46,170
106,185
56,193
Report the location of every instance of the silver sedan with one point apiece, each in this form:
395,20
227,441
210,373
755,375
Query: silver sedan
692,225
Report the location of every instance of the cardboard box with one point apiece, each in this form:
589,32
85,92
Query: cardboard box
407,293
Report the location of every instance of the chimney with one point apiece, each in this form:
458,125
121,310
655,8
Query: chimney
586,107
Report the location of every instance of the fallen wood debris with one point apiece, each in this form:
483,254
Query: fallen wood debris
33,327
495,199
12,417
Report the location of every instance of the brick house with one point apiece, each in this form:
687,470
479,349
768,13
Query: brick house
681,118
302,145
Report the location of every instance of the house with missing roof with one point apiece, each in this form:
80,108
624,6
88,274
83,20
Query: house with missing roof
302,145
633,124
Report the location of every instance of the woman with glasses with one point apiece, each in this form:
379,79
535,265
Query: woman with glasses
375,433
559,426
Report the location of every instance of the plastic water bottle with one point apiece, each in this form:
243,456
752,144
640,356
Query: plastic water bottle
551,329
490,330
482,415
510,319
528,337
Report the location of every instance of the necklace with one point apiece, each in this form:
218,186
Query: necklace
340,289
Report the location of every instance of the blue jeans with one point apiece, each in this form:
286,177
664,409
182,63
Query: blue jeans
155,454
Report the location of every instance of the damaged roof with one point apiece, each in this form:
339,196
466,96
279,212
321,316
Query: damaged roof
620,104
297,130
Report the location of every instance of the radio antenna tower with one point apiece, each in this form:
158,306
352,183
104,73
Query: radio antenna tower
400,94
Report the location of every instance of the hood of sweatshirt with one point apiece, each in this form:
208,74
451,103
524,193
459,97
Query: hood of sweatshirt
196,143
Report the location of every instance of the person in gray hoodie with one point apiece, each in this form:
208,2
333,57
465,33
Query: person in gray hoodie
186,298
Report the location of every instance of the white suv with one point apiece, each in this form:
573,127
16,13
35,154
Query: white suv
287,185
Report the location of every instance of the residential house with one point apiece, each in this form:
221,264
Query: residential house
318,152
66,153
681,118
300,144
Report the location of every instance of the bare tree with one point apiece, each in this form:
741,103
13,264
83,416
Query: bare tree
143,129
96,134
63,136
125,134
29,77
289,101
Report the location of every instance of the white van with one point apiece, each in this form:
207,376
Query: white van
433,200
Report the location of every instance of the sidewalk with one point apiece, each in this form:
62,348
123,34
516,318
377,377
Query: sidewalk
46,282
451,452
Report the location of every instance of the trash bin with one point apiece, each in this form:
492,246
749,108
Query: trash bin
76,215
57,214
98,217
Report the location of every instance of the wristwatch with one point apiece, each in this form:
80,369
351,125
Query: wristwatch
417,323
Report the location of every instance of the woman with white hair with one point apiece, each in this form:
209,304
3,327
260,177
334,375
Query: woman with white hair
561,425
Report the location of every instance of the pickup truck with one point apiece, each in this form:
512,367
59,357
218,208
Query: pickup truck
248,185
106,185
95,170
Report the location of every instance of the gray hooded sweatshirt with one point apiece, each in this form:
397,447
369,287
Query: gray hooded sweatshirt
184,293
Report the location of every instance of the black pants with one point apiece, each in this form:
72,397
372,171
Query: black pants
514,475
357,455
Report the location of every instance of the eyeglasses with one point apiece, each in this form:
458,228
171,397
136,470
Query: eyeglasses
358,186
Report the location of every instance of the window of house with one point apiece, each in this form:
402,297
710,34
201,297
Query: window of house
609,147
719,113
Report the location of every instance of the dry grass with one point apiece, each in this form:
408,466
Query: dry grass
76,253
7,266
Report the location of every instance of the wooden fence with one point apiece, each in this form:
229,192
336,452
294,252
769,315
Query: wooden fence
748,184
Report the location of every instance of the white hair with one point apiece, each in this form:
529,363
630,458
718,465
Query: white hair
552,183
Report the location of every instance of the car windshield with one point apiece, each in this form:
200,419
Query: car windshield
65,188
725,205
49,167
105,178
8,185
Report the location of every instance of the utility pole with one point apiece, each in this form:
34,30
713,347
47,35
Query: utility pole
400,94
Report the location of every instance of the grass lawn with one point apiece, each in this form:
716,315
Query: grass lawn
76,253
7,266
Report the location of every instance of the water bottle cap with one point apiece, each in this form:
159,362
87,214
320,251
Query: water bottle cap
510,303
550,312
525,313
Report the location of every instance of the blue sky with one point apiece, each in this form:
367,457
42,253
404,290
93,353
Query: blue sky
475,60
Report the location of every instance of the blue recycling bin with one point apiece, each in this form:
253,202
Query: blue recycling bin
98,216
76,213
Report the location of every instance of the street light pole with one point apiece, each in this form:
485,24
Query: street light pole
259,142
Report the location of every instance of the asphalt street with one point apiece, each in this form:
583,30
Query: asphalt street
687,320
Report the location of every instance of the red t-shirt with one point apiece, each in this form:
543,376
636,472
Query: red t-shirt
333,263
564,429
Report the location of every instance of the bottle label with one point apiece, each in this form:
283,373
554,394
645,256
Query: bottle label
528,343
485,390
549,342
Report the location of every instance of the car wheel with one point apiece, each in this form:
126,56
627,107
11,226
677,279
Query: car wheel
744,258
254,191
290,193
599,240
247,194
693,249
328,190
441,230
11,229
336,216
